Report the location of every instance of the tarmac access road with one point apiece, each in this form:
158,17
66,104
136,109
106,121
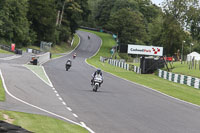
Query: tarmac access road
119,106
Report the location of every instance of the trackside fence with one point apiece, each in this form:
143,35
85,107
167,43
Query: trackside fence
181,79
123,65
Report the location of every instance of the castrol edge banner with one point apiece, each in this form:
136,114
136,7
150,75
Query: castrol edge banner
145,50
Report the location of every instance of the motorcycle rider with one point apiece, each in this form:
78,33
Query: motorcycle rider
74,55
68,63
88,37
98,71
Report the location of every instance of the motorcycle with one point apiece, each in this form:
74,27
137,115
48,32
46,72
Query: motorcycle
67,66
97,82
88,37
74,56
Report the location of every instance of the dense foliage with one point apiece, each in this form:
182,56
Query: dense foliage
28,22
176,24
141,22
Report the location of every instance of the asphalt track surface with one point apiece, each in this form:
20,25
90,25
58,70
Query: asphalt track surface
22,84
119,106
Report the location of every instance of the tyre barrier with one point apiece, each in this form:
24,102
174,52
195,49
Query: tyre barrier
34,51
181,79
8,48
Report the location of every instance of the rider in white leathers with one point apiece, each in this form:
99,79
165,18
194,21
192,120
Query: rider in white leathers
98,71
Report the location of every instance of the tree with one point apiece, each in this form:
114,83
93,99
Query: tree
42,14
179,9
172,35
103,11
155,31
128,25
14,26
193,22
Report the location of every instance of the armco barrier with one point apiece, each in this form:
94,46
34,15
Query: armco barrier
124,65
43,58
181,79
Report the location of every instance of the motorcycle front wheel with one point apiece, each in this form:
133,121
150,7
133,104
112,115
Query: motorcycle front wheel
95,88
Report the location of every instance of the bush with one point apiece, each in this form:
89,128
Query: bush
126,57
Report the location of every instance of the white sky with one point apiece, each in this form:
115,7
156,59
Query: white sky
157,1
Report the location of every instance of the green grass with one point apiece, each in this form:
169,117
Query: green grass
2,91
31,47
63,48
182,92
184,69
39,71
5,52
135,64
42,124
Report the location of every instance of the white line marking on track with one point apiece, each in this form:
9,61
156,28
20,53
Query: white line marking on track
60,99
53,89
47,77
63,103
57,95
69,108
75,115
83,124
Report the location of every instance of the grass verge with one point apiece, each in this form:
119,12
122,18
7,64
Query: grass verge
184,69
39,71
59,50
2,91
41,124
63,48
5,52
182,92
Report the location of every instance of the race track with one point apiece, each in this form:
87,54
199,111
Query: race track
119,106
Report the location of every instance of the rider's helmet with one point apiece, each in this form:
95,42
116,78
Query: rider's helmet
98,70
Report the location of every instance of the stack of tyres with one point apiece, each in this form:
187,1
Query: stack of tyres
150,65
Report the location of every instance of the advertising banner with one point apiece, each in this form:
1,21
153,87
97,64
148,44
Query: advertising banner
145,50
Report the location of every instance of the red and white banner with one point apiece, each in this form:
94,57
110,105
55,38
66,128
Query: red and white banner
145,50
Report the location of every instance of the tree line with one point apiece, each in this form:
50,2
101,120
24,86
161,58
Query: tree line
173,26
28,22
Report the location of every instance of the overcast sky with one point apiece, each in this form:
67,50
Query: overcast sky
157,1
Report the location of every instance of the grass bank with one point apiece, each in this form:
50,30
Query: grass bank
5,52
58,50
41,124
184,69
182,92
2,91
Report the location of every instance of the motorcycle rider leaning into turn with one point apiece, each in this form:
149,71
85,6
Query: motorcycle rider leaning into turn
97,72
